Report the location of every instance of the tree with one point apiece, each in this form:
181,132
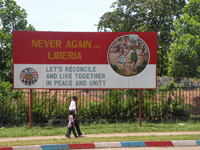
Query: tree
143,16
12,17
184,59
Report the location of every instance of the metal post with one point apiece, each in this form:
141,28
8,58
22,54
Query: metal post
140,109
30,109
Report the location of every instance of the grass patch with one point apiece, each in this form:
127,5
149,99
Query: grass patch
24,131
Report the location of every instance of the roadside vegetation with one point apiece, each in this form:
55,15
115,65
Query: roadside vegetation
93,128
106,128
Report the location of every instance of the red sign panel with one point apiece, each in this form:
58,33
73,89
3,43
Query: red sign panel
71,47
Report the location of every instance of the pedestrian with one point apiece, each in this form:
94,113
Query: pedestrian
71,125
73,107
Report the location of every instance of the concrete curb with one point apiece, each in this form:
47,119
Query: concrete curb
107,145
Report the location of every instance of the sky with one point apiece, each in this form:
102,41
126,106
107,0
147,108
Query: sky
65,15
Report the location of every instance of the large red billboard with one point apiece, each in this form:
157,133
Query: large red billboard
79,60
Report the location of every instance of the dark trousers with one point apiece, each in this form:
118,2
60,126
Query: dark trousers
76,123
69,132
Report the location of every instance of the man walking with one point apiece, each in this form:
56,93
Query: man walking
73,107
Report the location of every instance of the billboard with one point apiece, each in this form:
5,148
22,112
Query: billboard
84,60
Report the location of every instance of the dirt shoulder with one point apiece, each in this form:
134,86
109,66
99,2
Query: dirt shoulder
98,135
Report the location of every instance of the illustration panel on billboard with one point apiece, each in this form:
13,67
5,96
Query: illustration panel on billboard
128,55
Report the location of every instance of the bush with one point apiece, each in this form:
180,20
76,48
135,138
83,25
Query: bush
9,104
115,105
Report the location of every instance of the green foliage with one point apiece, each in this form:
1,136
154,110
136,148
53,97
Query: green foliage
116,105
38,108
13,17
172,105
124,105
184,59
45,108
145,16
9,105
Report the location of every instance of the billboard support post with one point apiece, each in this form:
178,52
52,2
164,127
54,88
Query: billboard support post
30,109
140,109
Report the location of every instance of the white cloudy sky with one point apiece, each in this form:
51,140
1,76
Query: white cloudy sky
65,15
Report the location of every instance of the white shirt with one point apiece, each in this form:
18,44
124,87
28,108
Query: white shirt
72,106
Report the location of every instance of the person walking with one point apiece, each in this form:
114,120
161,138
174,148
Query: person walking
73,107
71,125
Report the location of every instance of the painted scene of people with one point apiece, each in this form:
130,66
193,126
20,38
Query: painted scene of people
128,55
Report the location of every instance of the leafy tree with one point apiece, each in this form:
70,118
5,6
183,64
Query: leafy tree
184,59
143,16
12,17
